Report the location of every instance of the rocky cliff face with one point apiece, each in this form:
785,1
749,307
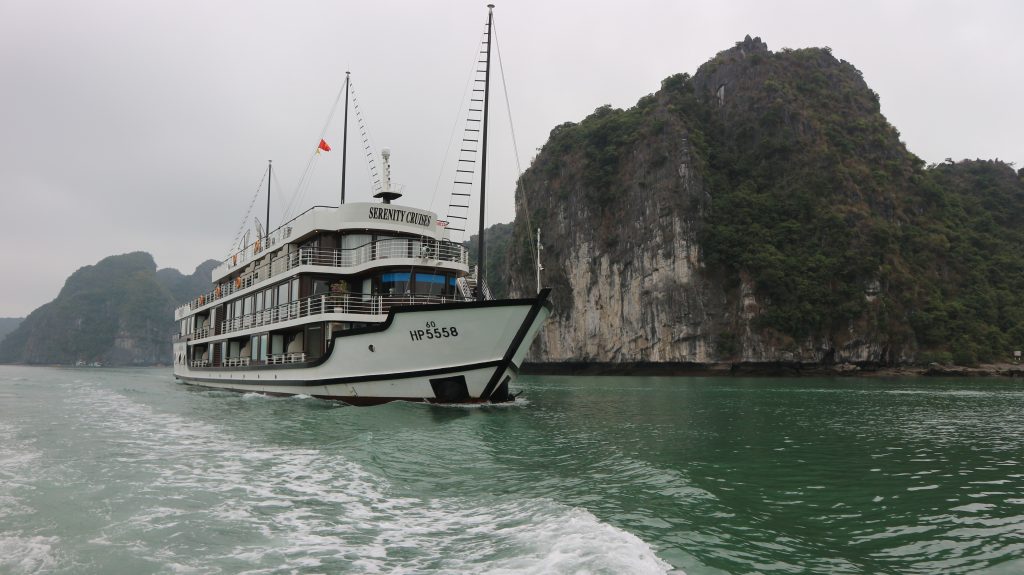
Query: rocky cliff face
117,312
757,211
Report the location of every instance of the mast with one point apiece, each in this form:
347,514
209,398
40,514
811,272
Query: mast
270,173
539,267
344,142
483,162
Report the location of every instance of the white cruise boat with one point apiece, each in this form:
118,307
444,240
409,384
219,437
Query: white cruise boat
364,303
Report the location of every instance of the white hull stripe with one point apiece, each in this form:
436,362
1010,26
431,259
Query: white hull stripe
343,380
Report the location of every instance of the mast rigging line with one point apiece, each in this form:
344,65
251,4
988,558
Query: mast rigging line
371,164
515,146
470,79
304,180
248,212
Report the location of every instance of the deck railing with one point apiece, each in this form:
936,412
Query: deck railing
425,249
321,304
281,358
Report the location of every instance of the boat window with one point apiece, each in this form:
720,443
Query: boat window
238,308
282,294
263,346
321,286
254,347
352,241
314,341
431,284
248,306
259,301
452,283
395,283
295,289
268,299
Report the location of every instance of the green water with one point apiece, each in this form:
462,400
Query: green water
126,471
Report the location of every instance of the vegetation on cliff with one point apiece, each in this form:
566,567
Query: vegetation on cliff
118,312
796,187
496,264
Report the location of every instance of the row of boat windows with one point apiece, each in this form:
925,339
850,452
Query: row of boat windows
419,283
303,344
388,284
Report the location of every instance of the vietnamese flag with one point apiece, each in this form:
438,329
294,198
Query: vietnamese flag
323,146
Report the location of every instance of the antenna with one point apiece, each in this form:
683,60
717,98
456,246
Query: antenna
386,194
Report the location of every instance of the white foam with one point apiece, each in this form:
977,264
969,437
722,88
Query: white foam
27,554
313,507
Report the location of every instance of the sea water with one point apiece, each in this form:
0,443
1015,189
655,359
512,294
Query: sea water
127,471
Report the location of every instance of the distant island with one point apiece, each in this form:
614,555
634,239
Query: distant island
759,216
9,324
117,312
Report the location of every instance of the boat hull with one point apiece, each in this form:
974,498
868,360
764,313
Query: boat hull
467,352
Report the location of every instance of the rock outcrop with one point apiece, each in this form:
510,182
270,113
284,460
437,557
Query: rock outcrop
763,210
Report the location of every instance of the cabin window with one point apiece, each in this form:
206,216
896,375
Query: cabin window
430,284
254,347
282,294
295,289
247,306
263,346
238,308
259,301
277,344
321,286
314,341
268,299
395,283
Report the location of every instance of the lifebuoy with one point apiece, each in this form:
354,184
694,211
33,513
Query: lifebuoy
234,259
202,300
216,292
238,282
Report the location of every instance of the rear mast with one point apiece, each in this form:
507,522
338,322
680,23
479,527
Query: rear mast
483,162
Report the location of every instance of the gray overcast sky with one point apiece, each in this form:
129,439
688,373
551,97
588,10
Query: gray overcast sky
140,125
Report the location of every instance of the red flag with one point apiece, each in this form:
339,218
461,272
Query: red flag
323,146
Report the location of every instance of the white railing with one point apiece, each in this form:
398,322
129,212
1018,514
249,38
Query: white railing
235,361
324,304
296,357
199,363
467,285
425,249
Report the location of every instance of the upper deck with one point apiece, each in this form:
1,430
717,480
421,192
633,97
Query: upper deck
354,217
412,237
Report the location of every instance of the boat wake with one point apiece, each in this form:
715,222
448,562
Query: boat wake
297,508
20,552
